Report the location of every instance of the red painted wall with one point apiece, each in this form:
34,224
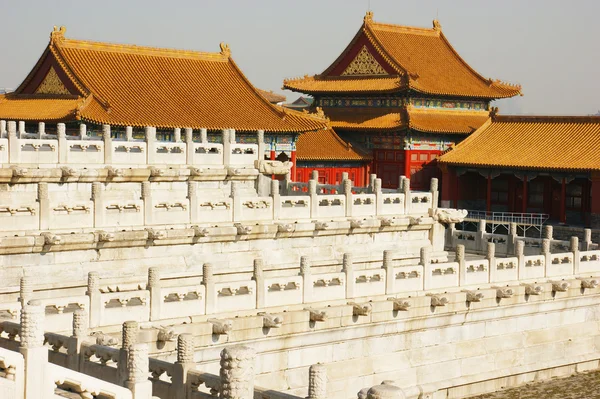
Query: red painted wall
333,175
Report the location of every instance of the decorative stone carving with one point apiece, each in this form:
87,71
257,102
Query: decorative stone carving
32,325
448,215
546,245
305,265
104,339
138,363
438,300
560,286
361,310
589,283
400,305
357,223
51,239
385,392
153,277
80,323
321,225
157,172
207,273
387,222
271,320
364,64
533,289
474,296
185,348
504,292
273,167
316,315
130,333
104,236
93,283
317,381
243,230
118,172
237,373
154,234
25,289
67,171
24,172
200,231
166,334
285,227
221,327
416,220
460,252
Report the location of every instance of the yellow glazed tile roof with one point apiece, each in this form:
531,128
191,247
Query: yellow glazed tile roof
531,142
441,121
423,60
366,118
326,145
344,84
143,86
36,108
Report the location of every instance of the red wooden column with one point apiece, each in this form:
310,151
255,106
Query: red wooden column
563,201
407,163
456,187
293,171
488,205
447,183
524,199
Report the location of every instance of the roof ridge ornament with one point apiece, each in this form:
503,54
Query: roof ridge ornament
368,17
436,25
58,34
225,50
494,112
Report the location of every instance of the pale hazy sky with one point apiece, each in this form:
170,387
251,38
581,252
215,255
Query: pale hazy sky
550,47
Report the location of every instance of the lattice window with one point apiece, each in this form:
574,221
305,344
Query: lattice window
364,64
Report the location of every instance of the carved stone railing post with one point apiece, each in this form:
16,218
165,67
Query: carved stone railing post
78,336
25,290
434,190
44,204
61,134
520,255
137,372
314,175
236,201
93,292
348,269
307,283
462,268
99,206
317,382
587,239
189,145
204,136
547,252
450,235
22,130
260,139
208,280
150,135
185,362
548,232
83,131
385,391
377,190
314,198
14,146
574,247
406,192
480,241
226,147
33,350
512,238
155,295
347,184
237,373
388,266
258,276
491,258
192,195
147,198
129,333
128,133
425,261
108,150
372,178
177,135
2,128
276,199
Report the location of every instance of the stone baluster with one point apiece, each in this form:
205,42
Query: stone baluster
548,232
388,266
425,261
372,178
480,241
148,206
185,362
348,269
150,136
32,348
83,131
154,287
276,199
574,248
208,280
237,373
317,381
385,391
314,198
79,334
546,250
93,292
226,147
587,239
378,191
462,267
99,208
25,290
260,139
314,175
236,199
177,135
406,192
22,130
401,183
63,148
434,190
192,195
14,146
137,372
512,238
129,331
307,281
520,255
449,241
2,128
347,184
258,276
128,133
189,145
41,130
108,147
204,136
44,204
491,258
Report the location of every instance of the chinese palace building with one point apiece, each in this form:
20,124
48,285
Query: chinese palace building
404,95
537,164
95,83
